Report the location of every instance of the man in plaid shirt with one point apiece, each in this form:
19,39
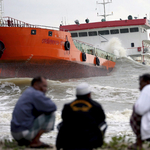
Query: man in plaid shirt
139,120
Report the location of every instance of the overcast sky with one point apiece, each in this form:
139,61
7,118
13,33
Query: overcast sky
52,12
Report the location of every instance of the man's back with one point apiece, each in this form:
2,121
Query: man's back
81,119
30,105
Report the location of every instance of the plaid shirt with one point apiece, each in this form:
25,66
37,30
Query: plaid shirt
135,122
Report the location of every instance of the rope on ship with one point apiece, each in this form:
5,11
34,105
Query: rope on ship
2,48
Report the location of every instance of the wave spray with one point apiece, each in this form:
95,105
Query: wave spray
115,46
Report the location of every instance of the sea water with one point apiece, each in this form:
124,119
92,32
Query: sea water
116,92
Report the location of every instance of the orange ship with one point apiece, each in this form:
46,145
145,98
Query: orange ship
27,50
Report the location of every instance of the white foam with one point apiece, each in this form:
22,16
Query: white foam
118,123
8,87
5,117
119,116
115,46
114,94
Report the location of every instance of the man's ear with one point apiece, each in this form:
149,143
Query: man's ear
89,95
148,82
36,85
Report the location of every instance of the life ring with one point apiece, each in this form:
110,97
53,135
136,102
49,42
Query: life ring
2,48
83,56
67,45
97,61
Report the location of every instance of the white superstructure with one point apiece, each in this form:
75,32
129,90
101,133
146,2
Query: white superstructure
134,35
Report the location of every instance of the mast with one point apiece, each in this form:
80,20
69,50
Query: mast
1,9
104,3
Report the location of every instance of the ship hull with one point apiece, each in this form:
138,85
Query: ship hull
53,69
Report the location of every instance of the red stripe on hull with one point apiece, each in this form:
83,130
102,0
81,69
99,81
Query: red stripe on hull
106,24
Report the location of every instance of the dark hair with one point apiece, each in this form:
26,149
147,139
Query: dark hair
82,96
36,79
145,77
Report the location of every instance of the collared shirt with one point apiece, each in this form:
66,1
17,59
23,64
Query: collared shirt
30,105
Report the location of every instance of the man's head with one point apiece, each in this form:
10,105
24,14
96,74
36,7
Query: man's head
144,80
83,90
39,83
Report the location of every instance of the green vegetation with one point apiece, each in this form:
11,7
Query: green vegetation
116,143
121,143
12,145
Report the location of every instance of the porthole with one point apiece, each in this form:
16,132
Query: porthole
50,33
33,32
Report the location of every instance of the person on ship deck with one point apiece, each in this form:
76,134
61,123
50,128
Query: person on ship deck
140,118
81,122
33,115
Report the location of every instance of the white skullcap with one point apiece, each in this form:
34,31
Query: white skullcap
83,89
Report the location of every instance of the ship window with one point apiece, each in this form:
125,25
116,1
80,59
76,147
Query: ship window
93,33
74,35
104,32
116,31
82,34
132,44
125,30
33,32
50,33
134,29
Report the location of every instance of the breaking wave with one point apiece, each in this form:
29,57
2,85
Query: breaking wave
115,46
116,92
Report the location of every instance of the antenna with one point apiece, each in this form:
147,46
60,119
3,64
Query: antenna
1,9
104,3
65,20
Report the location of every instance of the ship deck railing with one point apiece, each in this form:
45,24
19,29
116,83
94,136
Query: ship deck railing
90,49
11,22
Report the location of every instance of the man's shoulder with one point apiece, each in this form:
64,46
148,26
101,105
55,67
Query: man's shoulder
31,90
30,93
95,103
146,89
68,104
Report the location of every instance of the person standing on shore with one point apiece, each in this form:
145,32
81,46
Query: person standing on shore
140,118
33,115
81,122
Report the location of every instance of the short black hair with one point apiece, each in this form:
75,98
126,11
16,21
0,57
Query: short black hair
36,79
145,77
82,96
